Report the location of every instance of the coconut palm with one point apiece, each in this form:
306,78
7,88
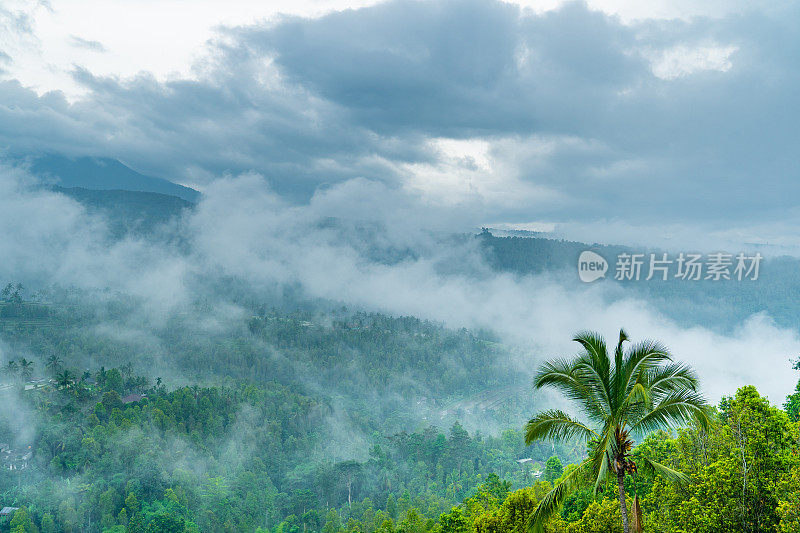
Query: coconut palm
65,379
25,367
637,392
53,363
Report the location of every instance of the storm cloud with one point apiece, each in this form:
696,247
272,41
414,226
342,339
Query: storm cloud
426,117
566,115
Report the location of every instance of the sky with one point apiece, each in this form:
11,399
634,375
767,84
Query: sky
668,123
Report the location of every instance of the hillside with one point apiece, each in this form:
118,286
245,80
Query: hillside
129,211
102,173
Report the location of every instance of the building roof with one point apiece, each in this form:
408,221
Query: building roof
130,398
7,510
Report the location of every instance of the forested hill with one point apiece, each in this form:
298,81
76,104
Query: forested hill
129,212
395,371
271,425
101,173
112,451
288,420
722,304
718,304
535,255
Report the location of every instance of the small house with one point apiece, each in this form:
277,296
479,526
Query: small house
133,398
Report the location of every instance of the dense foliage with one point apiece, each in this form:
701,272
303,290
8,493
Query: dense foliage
296,417
294,420
744,471
228,459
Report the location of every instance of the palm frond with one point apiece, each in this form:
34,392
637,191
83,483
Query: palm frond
601,455
642,358
618,363
652,467
677,408
571,380
669,378
594,375
551,502
622,338
595,347
558,426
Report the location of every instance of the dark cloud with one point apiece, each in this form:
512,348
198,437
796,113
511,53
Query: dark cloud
456,68
695,144
567,99
417,66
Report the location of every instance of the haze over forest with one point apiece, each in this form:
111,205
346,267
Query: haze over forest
295,267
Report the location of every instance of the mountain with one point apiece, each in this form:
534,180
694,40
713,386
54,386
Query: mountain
129,211
721,304
102,173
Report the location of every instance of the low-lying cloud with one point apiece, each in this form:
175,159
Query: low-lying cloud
335,248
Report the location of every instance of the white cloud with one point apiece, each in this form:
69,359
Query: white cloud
168,38
243,229
683,60
165,38
578,133
467,172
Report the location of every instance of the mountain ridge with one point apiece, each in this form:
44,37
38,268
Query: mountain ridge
103,173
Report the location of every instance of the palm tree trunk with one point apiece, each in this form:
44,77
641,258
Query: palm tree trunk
623,507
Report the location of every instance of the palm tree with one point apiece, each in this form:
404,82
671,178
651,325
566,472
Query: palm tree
640,391
53,363
65,378
25,367
11,367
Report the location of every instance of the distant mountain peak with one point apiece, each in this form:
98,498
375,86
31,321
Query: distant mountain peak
103,173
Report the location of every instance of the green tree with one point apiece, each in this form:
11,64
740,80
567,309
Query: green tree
741,469
107,506
111,401
332,522
512,516
349,472
639,391
25,368
454,522
22,522
53,363
65,378
12,368
114,380
789,506
553,469
391,506
166,523
48,524
792,405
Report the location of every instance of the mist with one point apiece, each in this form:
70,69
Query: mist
397,261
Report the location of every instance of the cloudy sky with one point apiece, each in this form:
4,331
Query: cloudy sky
666,123
609,120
